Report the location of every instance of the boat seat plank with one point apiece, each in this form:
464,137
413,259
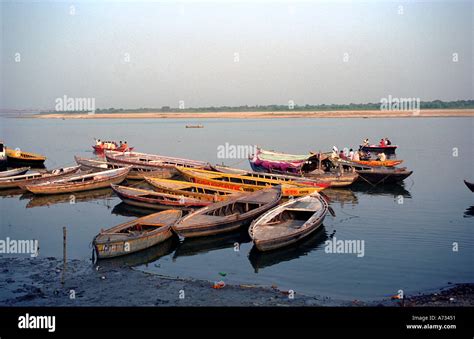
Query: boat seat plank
305,205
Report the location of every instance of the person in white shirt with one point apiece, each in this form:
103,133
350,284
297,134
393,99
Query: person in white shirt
351,154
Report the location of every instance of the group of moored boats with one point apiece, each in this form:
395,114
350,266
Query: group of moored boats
278,200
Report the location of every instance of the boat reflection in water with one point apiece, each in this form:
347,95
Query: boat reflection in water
341,196
144,257
69,198
394,190
126,210
201,245
469,213
260,260
10,192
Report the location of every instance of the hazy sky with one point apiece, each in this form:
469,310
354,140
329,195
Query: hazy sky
234,54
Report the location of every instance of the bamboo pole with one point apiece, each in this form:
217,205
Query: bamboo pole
64,254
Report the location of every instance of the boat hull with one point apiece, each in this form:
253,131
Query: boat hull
136,172
469,185
13,172
156,201
35,178
377,163
19,158
117,248
332,179
270,245
268,235
214,229
249,184
119,241
382,177
101,148
152,160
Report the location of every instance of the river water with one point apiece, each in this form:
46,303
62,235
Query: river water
409,231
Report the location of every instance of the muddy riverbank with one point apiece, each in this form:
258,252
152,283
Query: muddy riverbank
43,282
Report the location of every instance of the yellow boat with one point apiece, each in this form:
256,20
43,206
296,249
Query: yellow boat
19,157
246,184
190,189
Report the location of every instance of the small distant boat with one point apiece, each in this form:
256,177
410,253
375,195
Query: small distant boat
378,163
80,183
376,176
247,184
389,149
194,126
102,146
229,215
155,200
135,235
36,177
17,157
152,160
190,189
136,172
288,222
469,185
15,171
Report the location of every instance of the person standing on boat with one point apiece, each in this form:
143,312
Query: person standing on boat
334,153
388,142
351,154
356,156
382,156
366,142
382,143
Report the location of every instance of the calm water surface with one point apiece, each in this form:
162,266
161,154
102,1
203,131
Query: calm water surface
408,230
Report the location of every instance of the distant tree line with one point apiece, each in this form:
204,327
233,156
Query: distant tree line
436,104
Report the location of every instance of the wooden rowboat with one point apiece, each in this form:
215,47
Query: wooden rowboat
155,200
13,172
136,172
329,179
17,157
135,235
288,222
111,146
190,189
469,185
247,184
386,163
389,149
36,177
229,215
80,183
160,161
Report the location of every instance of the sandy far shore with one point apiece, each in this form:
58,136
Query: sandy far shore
265,115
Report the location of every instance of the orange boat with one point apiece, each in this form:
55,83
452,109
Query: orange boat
386,163
102,146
